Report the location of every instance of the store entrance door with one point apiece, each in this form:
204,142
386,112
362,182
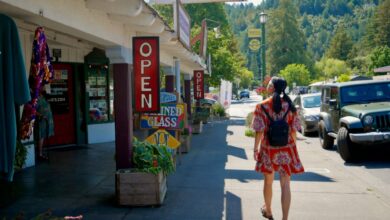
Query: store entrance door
61,99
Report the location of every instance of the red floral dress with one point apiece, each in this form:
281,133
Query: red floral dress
283,159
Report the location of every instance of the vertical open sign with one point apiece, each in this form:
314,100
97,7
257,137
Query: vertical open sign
198,84
146,62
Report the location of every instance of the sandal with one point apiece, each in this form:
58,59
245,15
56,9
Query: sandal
264,213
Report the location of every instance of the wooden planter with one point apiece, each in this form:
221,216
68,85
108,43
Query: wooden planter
185,141
140,189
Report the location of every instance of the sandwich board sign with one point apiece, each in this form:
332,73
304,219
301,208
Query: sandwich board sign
162,137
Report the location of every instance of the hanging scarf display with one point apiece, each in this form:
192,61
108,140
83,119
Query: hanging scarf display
41,72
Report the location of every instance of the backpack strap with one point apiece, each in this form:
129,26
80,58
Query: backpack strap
266,113
269,117
285,114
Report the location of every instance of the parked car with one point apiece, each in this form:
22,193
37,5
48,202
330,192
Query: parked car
357,114
299,90
308,107
244,94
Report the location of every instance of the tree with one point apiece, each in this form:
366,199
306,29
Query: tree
340,46
285,41
329,68
296,73
246,78
379,29
380,57
227,62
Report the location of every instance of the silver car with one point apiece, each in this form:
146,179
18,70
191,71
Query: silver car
308,107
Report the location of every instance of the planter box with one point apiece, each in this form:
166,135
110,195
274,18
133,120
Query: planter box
197,128
140,189
185,141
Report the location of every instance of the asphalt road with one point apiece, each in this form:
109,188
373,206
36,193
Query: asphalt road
331,188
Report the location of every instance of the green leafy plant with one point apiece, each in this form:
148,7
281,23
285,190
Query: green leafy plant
249,133
218,110
150,158
20,155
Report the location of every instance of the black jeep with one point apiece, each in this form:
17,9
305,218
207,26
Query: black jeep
356,114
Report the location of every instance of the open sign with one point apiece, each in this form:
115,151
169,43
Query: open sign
146,62
198,84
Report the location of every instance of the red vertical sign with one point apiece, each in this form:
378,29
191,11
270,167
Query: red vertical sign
146,62
198,84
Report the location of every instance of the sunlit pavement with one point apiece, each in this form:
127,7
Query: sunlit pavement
329,189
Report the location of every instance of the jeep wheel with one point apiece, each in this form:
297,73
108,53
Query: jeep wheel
347,150
325,140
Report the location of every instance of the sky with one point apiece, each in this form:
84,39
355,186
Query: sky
255,2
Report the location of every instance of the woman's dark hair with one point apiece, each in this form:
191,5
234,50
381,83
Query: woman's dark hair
280,85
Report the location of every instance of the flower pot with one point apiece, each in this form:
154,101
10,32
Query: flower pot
140,189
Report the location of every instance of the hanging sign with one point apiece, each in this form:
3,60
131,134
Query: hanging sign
182,23
253,32
171,116
146,63
162,137
198,84
254,45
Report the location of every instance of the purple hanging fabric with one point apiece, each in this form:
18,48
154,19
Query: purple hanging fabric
41,72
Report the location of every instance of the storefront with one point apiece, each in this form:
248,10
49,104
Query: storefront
86,37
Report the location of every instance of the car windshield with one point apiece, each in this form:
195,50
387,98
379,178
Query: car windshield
312,101
366,93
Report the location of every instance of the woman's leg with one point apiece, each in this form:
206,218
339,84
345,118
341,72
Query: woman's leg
267,191
286,194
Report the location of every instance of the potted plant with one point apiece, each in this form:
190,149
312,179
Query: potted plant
20,156
145,183
185,139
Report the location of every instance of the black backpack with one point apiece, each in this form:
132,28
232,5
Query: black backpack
278,130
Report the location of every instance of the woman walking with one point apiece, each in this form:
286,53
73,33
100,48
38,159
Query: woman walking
270,159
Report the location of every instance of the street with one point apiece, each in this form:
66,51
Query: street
330,188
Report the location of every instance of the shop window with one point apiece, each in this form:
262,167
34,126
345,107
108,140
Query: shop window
99,88
97,91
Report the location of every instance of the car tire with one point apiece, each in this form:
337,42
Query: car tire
325,140
347,150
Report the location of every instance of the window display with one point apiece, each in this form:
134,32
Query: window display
97,88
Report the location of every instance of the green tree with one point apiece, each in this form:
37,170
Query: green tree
246,78
379,29
329,68
344,77
285,41
380,57
227,62
340,46
296,73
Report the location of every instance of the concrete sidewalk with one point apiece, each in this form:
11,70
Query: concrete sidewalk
215,180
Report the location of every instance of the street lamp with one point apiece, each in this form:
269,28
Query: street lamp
263,20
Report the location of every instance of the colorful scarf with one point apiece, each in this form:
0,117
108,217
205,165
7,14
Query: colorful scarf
41,72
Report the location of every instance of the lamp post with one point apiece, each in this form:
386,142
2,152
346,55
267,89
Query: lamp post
263,20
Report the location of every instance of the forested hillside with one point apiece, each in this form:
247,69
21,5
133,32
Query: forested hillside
345,30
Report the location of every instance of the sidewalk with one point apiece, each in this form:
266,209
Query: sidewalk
215,180
81,181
